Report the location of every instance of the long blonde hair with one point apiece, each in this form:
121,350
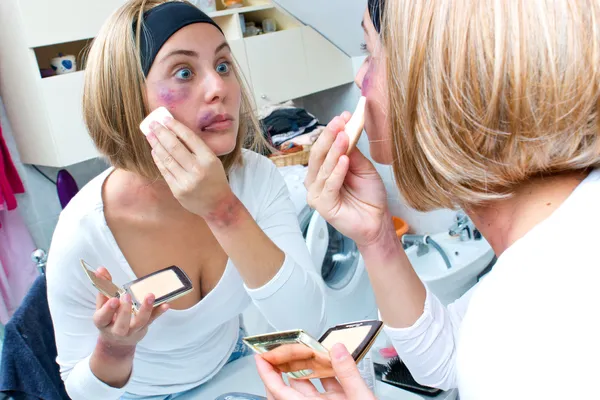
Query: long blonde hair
114,96
487,94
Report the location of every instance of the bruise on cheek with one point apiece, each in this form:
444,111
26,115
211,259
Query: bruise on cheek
367,80
172,96
227,214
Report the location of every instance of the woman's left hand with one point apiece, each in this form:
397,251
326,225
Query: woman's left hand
193,172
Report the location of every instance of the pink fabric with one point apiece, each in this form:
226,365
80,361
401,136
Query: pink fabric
17,271
10,182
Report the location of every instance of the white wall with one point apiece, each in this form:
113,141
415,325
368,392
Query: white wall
337,20
40,206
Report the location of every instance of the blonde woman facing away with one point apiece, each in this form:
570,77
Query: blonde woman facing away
492,106
186,195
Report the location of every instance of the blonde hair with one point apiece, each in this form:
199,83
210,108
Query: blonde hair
487,94
114,96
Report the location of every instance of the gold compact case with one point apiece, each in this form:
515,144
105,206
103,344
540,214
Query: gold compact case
280,344
166,285
301,356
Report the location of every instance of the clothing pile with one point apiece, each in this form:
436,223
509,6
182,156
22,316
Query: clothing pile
285,125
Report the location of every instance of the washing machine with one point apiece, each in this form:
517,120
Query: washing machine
349,296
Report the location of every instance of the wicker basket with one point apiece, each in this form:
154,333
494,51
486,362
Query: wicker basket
299,158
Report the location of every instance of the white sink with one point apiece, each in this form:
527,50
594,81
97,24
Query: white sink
468,259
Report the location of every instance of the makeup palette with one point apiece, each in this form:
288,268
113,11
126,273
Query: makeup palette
166,285
300,356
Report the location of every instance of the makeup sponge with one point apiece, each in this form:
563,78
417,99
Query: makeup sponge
355,126
157,115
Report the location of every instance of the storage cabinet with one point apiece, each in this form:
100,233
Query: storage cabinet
48,22
60,93
328,67
277,75
46,113
238,49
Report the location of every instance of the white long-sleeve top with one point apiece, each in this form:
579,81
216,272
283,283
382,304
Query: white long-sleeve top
531,328
183,348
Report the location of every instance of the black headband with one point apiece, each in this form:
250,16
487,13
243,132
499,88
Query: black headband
376,8
161,22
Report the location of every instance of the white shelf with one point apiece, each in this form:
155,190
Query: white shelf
61,21
241,10
292,62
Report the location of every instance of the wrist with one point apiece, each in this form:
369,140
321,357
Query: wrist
385,245
226,212
112,363
108,350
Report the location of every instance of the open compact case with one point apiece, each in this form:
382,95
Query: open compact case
303,357
166,285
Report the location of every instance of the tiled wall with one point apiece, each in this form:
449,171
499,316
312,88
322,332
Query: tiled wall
40,206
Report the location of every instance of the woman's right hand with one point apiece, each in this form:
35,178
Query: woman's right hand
346,190
347,384
113,317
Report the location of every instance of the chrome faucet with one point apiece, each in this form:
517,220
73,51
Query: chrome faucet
39,257
423,242
464,228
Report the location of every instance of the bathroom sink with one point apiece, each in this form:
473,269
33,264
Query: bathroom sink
468,258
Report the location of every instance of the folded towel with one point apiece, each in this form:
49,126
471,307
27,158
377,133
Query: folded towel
306,139
268,109
281,138
29,368
285,124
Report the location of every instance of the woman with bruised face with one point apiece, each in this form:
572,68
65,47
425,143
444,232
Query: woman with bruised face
188,195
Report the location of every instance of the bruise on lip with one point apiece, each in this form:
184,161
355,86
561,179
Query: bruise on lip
204,120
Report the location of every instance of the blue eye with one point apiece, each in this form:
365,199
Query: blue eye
223,68
184,74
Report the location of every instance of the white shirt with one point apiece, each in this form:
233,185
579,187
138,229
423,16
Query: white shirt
182,349
531,328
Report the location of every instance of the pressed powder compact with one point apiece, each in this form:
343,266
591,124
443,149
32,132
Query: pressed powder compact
303,357
166,285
